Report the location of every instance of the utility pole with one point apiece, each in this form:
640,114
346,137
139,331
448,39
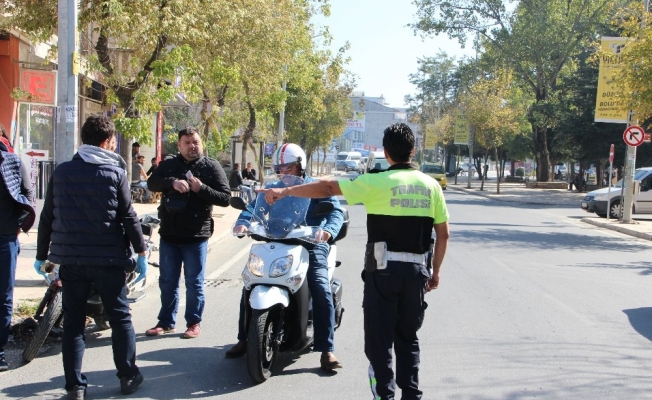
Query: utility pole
628,199
65,141
281,118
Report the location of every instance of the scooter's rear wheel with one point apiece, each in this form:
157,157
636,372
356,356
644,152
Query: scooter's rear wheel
261,349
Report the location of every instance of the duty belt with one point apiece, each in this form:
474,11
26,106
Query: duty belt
406,257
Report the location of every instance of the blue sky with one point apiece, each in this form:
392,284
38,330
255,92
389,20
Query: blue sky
384,51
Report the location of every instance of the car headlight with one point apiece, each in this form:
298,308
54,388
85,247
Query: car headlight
600,197
281,266
255,265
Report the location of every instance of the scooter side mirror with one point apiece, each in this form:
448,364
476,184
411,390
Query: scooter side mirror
324,207
238,203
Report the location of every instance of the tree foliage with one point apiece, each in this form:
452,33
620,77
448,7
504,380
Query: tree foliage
537,40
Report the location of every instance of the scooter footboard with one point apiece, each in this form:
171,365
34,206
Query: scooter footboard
263,297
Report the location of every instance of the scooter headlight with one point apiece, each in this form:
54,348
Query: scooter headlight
295,280
255,265
281,266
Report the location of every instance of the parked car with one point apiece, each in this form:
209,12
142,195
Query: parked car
596,201
561,171
437,172
464,168
377,162
348,165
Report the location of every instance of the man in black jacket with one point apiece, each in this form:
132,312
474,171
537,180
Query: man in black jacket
191,185
235,182
86,226
249,172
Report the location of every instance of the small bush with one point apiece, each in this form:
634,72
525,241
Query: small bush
519,172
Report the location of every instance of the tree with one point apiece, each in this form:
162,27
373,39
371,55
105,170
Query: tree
318,99
538,40
493,110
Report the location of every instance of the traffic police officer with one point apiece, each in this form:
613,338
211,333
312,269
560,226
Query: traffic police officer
402,205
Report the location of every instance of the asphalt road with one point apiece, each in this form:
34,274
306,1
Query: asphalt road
532,304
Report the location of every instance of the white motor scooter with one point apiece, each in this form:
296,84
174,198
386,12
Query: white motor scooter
278,315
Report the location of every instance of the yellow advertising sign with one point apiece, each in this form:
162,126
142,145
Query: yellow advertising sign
461,128
430,138
609,107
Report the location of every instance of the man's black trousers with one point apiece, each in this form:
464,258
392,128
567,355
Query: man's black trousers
393,313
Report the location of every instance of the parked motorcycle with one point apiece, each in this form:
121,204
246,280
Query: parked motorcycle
278,312
49,313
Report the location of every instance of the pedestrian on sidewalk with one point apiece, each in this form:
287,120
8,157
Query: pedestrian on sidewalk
86,226
16,214
191,184
403,207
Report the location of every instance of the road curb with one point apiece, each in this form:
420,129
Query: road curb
617,228
506,200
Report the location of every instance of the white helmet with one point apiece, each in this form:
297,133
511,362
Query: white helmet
287,154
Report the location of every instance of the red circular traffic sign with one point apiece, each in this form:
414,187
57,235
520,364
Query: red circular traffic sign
634,135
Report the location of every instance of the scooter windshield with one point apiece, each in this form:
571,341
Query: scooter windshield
282,219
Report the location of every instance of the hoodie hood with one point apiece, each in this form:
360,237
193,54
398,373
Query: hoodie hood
100,156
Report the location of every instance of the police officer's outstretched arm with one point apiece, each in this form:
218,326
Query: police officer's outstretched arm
441,243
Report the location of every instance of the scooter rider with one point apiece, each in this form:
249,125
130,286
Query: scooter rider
290,159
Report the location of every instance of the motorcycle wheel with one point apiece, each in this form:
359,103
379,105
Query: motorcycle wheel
45,325
261,350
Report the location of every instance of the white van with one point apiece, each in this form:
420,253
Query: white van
377,162
596,201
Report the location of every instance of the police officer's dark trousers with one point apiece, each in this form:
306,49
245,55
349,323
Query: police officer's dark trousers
393,313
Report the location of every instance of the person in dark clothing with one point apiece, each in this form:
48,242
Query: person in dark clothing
191,184
88,236
16,213
249,172
235,182
153,167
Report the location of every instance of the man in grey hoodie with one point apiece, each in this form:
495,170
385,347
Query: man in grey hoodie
86,226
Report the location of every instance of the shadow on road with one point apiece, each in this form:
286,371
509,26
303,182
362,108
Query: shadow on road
641,320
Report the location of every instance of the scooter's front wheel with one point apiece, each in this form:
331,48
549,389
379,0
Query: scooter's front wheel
261,349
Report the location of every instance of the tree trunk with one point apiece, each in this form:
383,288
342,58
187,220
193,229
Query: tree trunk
542,153
248,134
498,168
482,174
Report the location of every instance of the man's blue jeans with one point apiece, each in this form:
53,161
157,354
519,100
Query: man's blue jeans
9,249
193,257
109,282
323,310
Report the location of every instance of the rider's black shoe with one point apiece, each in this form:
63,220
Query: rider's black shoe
238,350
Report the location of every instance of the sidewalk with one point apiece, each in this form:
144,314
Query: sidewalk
518,193
30,285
